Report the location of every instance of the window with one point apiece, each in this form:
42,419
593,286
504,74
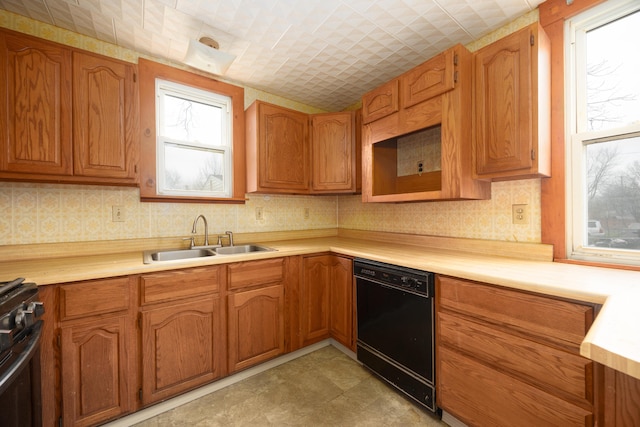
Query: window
603,125
194,150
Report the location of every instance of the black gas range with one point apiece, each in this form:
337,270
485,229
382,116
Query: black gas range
20,330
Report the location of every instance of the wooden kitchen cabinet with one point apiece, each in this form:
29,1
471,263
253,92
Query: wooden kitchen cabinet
36,114
326,299
69,115
333,152
381,101
423,150
98,350
278,151
297,153
512,106
183,339
255,303
105,118
513,350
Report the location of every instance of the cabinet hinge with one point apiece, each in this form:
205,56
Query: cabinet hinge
139,321
533,154
455,59
60,422
455,77
135,77
140,394
58,341
532,40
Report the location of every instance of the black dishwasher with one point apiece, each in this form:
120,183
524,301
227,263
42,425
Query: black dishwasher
395,312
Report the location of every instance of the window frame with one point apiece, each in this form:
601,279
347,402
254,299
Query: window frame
168,88
578,138
148,72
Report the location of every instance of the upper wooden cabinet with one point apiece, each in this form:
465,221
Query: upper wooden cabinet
423,150
105,117
333,152
380,102
296,153
277,149
35,119
68,116
512,106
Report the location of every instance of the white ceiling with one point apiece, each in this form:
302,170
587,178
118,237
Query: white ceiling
323,53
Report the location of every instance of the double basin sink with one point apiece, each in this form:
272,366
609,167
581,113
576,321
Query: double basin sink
150,257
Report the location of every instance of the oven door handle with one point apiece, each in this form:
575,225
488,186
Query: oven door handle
24,355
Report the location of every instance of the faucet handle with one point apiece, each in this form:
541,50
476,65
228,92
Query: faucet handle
192,239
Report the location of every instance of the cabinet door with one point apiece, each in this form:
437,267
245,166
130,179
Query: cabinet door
256,326
315,299
512,109
182,347
429,79
35,114
333,152
105,117
380,102
283,149
341,300
98,379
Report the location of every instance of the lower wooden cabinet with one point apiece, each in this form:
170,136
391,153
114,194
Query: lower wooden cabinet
98,350
255,312
506,357
183,340
326,300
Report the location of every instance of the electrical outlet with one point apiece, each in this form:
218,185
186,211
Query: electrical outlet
117,213
259,213
520,214
306,213
420,166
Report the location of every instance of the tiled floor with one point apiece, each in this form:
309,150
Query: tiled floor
323,388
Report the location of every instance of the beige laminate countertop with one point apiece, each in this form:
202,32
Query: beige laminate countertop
613,340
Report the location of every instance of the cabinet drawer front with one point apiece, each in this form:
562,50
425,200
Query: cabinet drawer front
255,273
559,322
171,285
380,102
481,396
556,371
95,297
430,79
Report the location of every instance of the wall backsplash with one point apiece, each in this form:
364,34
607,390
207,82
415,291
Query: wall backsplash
48,213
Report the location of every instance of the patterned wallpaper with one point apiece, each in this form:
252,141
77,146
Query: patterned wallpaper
41,213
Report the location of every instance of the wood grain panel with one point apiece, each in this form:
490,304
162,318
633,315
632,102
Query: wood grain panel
255,273
333,152
180,347
481,396
95,371
256,326
381,102
36,113
557,371
427,80
176,284
556,322
105,117
94,297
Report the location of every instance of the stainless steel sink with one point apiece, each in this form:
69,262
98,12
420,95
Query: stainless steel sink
149,257
241,249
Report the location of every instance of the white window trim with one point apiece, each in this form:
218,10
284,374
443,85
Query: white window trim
576,221
205,97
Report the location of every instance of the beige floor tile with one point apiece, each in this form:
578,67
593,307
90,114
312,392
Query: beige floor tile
323,388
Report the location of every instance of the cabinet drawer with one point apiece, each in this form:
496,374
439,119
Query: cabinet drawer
430,79
557,371
171,285
380,102
255,273
481,396
95,297
551,320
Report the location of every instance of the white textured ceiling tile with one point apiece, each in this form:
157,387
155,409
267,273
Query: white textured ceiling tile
153,16
178,24
125,35
168,3
91,5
